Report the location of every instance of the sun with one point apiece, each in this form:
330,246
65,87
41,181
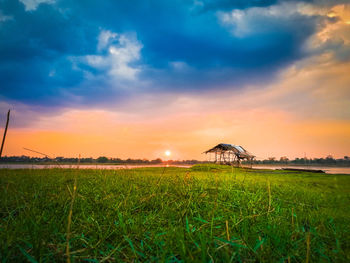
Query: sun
167,153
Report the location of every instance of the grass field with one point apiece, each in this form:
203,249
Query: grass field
203,214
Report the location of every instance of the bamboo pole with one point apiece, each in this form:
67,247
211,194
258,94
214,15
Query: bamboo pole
5,131
44,154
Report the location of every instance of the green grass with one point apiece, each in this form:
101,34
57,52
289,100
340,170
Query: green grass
206,213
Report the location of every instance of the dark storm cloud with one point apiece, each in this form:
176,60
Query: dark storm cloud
34,48
242,4
50,55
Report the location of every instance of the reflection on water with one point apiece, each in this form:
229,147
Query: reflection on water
330,170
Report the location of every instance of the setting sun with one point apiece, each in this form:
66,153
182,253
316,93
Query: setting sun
167,153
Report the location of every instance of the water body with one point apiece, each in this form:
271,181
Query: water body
329,170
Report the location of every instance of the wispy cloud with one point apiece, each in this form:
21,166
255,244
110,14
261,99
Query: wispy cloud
31,5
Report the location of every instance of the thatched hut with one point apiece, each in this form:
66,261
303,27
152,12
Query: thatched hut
229,154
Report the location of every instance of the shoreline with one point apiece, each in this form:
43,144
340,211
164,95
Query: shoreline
175,164
326,169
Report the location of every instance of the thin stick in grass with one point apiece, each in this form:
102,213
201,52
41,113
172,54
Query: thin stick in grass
261,245
269,191
307,247
227,232
69,221
161,176
44,154
293,234
215,205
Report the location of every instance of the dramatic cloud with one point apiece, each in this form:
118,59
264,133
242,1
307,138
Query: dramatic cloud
83,53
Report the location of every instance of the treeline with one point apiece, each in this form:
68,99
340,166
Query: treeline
329,160
90,160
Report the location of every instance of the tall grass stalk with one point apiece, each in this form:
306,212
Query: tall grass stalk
69,220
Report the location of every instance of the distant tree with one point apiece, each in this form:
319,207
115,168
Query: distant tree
116,160
59,158
284,159
156,161
330,159
102,159
87,160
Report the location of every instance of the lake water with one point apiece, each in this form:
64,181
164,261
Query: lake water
330,170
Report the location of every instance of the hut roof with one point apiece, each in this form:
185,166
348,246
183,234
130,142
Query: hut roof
238,150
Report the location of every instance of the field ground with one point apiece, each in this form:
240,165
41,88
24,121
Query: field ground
205,213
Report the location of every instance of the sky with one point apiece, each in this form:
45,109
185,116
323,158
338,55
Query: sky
134,78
